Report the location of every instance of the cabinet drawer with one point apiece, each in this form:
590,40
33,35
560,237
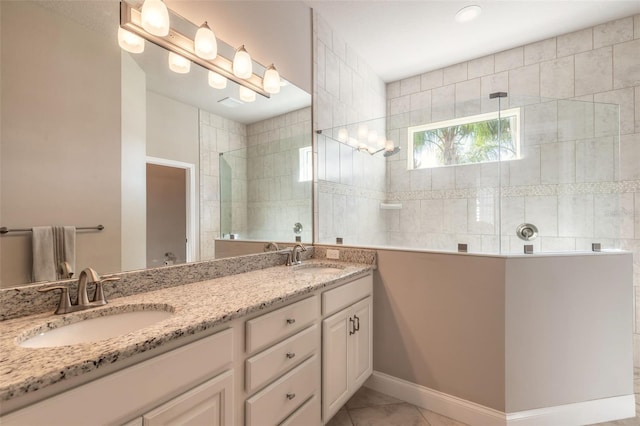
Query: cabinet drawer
307,415
345,295
275,402
269,364
272,327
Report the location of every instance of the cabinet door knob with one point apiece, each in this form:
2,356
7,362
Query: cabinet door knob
291,395
353,326
291,320
291,355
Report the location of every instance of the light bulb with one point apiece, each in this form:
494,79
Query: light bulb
130,41
363,132
372,137
246,94
343,135
389,146
205,43
178,63
242,65
155,17
271,80
217,81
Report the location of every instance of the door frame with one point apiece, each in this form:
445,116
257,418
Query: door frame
190,192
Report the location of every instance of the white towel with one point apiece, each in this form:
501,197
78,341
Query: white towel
44,266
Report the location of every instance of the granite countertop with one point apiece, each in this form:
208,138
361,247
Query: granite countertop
197,307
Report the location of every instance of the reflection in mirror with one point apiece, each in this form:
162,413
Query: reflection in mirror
82,119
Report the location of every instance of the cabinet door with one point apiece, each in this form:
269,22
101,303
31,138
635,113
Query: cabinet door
208,404
335,377
360,345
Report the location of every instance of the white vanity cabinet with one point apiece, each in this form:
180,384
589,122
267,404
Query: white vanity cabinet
282,380
346,343
195,379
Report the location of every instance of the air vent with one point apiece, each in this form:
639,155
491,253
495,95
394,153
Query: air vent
230,102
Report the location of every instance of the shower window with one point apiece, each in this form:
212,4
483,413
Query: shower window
480,138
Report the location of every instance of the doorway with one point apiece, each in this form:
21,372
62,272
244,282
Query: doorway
170,212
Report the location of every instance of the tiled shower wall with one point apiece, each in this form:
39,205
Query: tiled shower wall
350,184
276,198
568,182
217,134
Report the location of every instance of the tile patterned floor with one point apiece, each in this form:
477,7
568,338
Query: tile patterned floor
370,408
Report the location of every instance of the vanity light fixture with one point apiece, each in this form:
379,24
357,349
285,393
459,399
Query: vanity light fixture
238,69
179,64
242,65
129,41
246,95
155,17
217,81
271,80
205,43
468,13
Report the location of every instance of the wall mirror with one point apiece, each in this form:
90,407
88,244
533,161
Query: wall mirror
93,135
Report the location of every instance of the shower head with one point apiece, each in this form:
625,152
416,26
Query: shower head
390,153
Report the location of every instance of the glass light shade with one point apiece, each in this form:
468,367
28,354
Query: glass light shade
242,65
130,41
178,63
246,94
217,81
468,13
389,146
271,80
155,17
343,135
363,132
205,43
372,137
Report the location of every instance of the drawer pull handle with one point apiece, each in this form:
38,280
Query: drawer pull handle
357,322
352,323
291,320
290,396
291,355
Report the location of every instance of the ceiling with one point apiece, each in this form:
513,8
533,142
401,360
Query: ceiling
400,38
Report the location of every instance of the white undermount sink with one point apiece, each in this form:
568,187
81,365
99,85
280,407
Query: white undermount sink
94,329
317,269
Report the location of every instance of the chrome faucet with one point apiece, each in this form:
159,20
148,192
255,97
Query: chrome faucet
295,254
270,246
87,276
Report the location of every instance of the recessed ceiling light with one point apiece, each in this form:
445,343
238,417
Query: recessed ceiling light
468,13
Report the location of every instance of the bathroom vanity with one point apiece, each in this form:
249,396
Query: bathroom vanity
240,349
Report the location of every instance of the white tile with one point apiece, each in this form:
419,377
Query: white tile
557,78
431,214
512,214
455,73
481,67
443,178
467,95
575,120
420,179
332,161
399,178
524,85
630,157
393,90
346,84
346,164
421,101
468,176
613,32
455,215
575,42
325,34
606,120
557,244
332,74
481,214
613,215
339,47
540,51
443,103
410,216
595,160
490,84
509,59
431,80
352,58
575,215
526,170
410,85
626,71
594,71
400,105
540,123
558,163
542,211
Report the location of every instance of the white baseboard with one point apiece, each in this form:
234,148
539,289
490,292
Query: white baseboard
580,413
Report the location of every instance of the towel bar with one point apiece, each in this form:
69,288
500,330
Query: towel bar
5,230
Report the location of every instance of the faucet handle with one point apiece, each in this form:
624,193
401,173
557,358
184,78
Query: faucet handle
64,305
98,296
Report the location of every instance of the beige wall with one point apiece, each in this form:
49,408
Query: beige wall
60,145
276,32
